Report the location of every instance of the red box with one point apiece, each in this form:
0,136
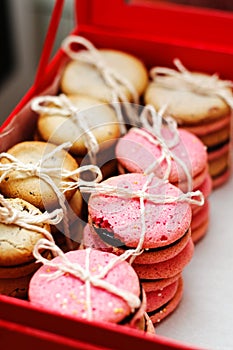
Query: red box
157,33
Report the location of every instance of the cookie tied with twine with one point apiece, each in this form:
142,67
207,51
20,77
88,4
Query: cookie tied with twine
119,87
30,219
48,174
89,276
166,145
22,226
148,193
207,85
62,106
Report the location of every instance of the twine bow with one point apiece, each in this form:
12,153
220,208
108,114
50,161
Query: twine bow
166,145
112,79
84,274
200,84
47,173
62,106
30,220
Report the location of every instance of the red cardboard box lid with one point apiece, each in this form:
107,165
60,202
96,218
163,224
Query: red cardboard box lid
166,21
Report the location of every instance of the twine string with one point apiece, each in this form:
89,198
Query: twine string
207,85
166,145
112,78
29,220
62,106
192,197
47,173
84,274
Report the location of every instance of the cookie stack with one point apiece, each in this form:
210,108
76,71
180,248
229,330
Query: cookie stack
17,263
140,151
201,104
118,222
91,126
115,296
36,174
96,72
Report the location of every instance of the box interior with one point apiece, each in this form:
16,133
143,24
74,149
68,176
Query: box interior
203,288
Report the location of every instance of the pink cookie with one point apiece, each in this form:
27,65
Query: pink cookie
206,186
201,216
159,314
219,124
206,189
120,218
221,179
168,268
160,297
200,232
66,294
135,153
200,222
154,285
151,256
219,152
219,164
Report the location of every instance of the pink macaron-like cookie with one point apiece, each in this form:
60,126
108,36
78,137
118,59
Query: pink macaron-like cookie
200,222
91,239
167,268
119,218
206,189
158,314
157,301
67,294
136,151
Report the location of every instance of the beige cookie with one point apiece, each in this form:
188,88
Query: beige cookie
17,243
100,118
33,189
187,107
83,78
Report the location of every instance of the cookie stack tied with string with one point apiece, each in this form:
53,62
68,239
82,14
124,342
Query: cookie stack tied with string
38,172
111,76
91,285
147,220
171,153
200,103
92,128
22,225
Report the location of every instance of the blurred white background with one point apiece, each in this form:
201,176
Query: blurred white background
23,28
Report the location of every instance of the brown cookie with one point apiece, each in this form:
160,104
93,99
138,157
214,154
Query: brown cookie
33,189
84,79
100,118
17,243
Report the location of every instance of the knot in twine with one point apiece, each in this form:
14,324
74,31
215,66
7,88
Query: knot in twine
112,78
204,85
166,145
29,220
62,106
84,274
46,174
194,197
